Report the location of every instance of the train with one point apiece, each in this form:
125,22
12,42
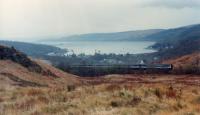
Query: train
98,70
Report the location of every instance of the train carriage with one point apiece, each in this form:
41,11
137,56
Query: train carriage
98,70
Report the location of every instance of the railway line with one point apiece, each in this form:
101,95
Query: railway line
98,70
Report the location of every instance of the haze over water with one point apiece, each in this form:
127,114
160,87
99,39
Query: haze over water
105,47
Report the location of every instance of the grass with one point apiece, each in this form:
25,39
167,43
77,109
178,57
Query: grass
114,96
108,99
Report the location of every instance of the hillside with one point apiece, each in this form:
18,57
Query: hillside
181,48
177,42
159,35
176,34
32,49
186,64
24,91
117,36
17,69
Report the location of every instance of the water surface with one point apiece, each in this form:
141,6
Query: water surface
116,47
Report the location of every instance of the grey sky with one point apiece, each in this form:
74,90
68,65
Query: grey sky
177,4
28,19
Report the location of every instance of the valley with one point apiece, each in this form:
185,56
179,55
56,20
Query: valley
32,82
99,57
26,91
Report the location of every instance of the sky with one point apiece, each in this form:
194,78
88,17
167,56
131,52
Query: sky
29,20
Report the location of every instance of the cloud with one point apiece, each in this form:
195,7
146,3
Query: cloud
24,19
176,4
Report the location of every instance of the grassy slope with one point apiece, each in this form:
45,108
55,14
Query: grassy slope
17,74
109,95
184,60
186,63
149,95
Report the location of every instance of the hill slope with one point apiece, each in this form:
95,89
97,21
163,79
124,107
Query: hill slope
117,36
176,34
17,69
186,64
176,42
181,48
33,49
183,39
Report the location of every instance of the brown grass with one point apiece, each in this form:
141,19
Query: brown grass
188,64
102,99
109,95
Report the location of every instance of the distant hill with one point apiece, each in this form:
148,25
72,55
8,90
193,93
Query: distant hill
176,34
170,43
181,48
32,49
170,36
176,42
117,36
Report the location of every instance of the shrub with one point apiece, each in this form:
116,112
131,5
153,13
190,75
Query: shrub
34,92
1,99
71,88
195,91
113,87
26,104
196,100
43,99
51,109
153,109
116,103
55,109
158,93
171,93
36,113
125,94
189,113
178,106
135,101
